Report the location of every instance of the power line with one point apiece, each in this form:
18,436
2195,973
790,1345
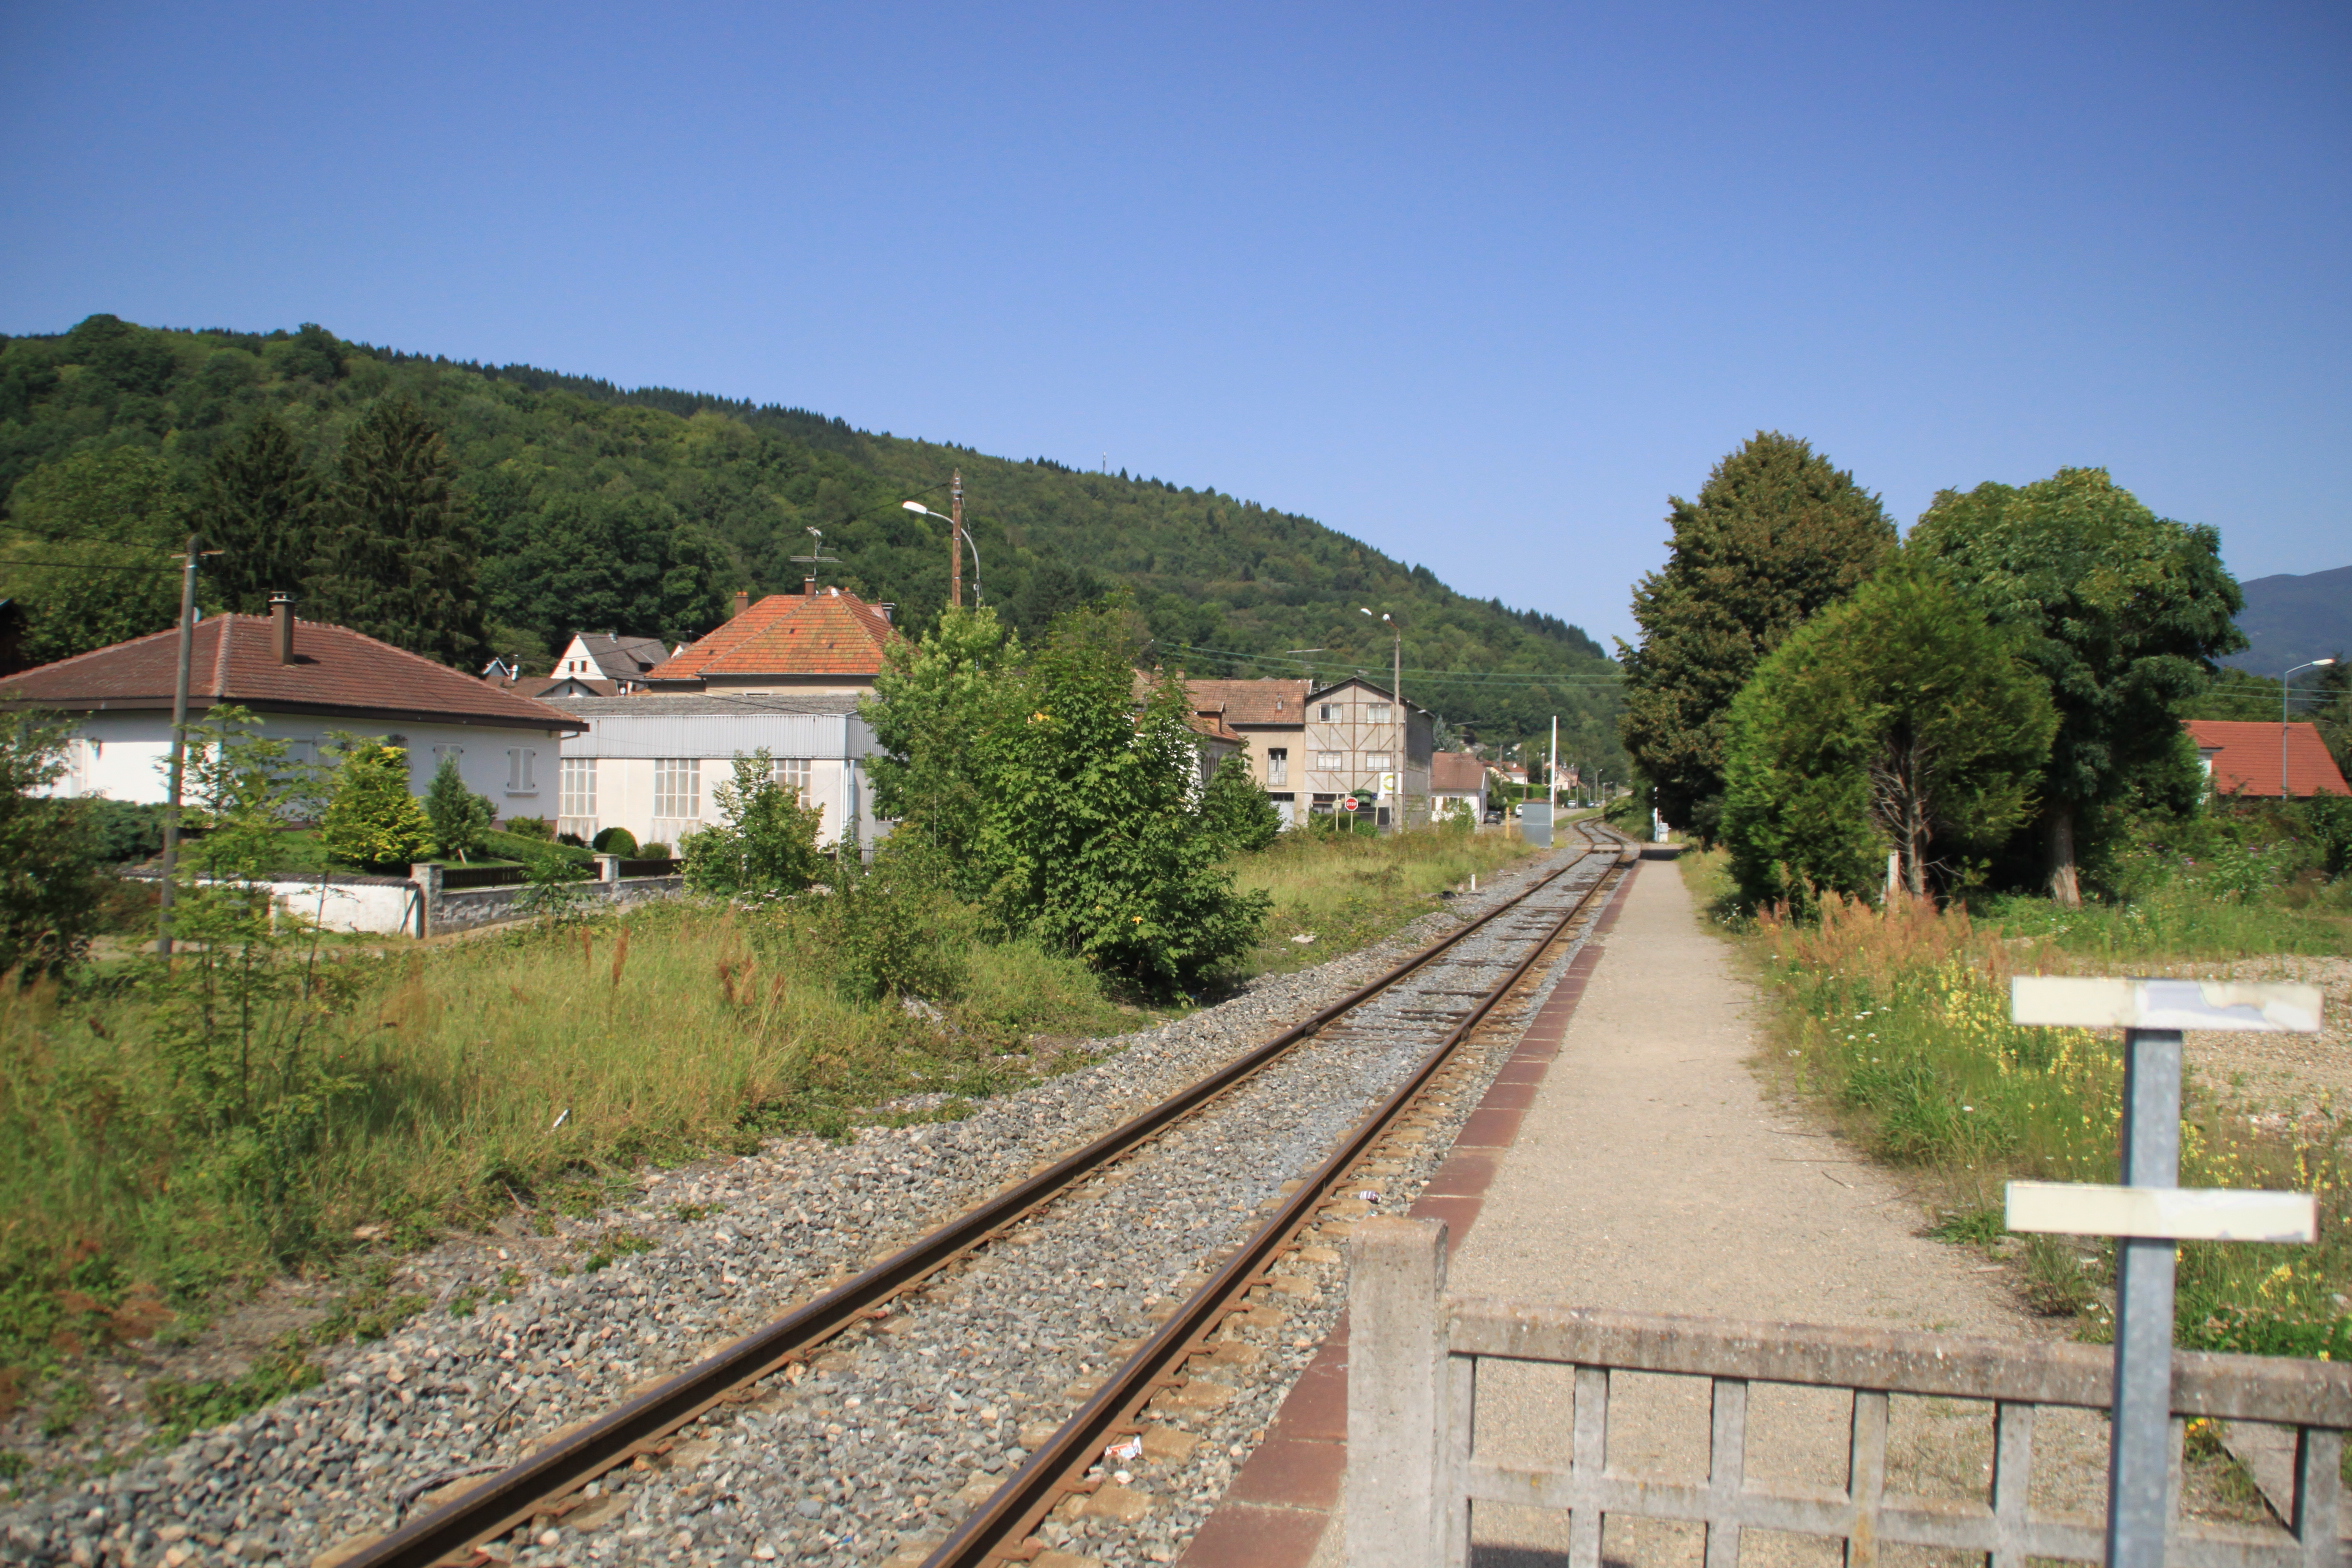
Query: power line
1468,677
87,566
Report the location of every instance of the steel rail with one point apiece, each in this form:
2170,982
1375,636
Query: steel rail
513,1495
996,1529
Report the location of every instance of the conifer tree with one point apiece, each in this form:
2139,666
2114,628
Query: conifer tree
1776,534
401,557
260,508
460,818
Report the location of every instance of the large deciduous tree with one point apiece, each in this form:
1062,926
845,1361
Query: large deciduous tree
931,704
1901,720
2121,611
1776,534
1088,824
400,556
259,507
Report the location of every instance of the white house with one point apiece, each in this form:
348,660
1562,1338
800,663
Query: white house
303,681
1457,785
650,763
605,657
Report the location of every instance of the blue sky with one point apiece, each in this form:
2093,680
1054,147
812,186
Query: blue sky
1481,285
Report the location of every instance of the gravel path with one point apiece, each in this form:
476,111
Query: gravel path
885,1442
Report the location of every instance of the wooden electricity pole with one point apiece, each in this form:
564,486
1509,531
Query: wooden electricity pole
955,541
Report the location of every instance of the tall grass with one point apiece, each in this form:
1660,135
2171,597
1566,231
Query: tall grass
452,1086
1899,1021
438,1088
1346,889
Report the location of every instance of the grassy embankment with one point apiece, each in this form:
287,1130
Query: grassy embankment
1898,1024
539,1068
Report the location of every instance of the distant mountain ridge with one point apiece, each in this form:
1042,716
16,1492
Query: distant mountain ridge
2291,619
643,511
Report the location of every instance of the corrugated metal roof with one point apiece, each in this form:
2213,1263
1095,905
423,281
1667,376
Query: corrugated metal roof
833,736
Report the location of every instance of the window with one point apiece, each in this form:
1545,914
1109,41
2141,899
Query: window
1331,761
578,800
447,751
1327,713
1377,713
1278,765
677,787
793,773
1376,761
521,766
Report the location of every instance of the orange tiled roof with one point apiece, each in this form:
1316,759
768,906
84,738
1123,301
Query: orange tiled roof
828,633
2246,758
233,658
1251,702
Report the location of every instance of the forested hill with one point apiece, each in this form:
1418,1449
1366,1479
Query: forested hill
643,511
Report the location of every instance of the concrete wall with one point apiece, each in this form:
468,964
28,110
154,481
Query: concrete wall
625,798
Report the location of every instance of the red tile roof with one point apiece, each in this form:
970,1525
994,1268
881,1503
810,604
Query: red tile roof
2246,758
234,659
1457,772
828,633
1252,702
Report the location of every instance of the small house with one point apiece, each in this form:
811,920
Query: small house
2257,760
304,682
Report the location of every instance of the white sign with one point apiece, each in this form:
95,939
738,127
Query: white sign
2065,1208
2075,1002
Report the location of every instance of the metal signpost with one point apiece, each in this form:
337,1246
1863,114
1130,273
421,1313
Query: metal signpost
2149,1213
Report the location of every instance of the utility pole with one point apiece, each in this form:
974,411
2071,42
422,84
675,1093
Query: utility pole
179,744
955,541
1552,766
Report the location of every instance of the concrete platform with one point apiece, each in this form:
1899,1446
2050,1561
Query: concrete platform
1626,1157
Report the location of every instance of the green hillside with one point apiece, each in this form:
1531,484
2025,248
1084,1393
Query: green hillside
643,511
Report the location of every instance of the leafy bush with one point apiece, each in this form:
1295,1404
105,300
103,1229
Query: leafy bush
372,819
657,850
895,929
1236,809
531,827
123,831
48,879
1089,828
459,816
615,841
766,841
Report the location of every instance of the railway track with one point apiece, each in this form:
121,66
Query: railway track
1389,1043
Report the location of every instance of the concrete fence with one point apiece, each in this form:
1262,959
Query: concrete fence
1416,1465
420,905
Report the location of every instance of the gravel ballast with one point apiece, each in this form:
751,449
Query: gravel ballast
897,1429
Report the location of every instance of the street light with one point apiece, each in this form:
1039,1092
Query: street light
2286,693
955,530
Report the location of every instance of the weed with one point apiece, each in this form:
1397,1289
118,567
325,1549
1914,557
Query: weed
690,1212
178,1409
2057,1278
614,1245
1970,1227
69,1401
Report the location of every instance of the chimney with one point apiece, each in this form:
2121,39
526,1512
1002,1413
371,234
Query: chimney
282,625
808,585
742,600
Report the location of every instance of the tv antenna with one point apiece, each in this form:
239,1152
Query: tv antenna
820,558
